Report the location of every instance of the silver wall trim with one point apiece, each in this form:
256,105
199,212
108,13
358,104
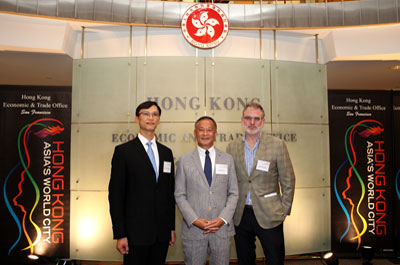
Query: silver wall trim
130,41
316,49
325,14
83,42
275,48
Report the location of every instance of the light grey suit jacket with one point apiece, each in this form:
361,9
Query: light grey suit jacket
271,190
196,199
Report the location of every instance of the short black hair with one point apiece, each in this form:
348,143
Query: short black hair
203,118
146,105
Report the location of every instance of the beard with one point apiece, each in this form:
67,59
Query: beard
255,131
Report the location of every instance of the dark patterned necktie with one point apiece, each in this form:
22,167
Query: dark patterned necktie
207,168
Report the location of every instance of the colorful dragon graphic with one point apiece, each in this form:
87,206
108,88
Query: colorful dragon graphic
25,162
343,197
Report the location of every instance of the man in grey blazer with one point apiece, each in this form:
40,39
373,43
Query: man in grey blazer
266,187
206,193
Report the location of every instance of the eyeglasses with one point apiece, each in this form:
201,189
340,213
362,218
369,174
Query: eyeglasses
249,118
148,114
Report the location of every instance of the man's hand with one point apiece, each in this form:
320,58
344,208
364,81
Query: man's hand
122,245
213,225
200,223
173,238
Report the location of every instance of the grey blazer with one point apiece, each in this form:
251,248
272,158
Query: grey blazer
271,189
196,199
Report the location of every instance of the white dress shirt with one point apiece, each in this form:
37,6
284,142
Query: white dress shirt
202,154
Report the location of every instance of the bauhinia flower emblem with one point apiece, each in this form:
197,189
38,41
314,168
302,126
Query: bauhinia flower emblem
205,25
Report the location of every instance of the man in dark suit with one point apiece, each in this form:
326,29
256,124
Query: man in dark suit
141,193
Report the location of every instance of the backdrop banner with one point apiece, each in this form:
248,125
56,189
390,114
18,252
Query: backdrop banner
361,157
35,134
396,133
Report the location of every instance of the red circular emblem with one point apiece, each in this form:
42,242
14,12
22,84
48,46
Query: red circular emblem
204,26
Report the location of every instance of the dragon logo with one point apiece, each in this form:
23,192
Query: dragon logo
23,214
356,222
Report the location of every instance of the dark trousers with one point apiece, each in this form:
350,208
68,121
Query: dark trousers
147,255
272,241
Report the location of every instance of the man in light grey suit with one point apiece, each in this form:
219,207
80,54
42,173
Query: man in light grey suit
266,187
206,193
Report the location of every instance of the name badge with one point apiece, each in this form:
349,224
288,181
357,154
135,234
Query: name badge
221,169
167,167
263,165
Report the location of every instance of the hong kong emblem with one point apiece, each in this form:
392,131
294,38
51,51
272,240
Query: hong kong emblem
205,25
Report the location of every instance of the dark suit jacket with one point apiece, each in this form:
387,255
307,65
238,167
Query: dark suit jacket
141,208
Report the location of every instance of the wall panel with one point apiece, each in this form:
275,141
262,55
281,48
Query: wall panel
107,91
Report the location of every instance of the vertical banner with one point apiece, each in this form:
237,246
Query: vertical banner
361,159
35,132
396,173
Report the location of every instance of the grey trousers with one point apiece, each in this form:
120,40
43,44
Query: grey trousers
196,251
